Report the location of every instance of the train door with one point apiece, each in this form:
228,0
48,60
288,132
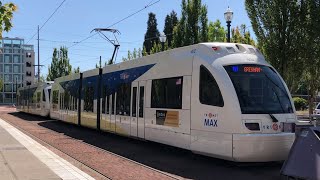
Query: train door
141,108
113,112
134,114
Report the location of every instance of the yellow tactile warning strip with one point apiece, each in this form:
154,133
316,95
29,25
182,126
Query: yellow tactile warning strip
61,167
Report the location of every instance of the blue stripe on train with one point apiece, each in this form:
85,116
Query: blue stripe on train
111,81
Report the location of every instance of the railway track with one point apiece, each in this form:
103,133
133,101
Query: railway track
109,156
63,144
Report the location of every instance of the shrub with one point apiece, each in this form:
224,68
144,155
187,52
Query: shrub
300,103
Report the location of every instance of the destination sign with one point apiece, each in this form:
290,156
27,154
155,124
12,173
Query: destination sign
247,69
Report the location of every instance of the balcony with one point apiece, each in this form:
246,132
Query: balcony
28,64
28,73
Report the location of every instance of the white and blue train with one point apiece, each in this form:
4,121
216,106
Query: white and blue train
217,99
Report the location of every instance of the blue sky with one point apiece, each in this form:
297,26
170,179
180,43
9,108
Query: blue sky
76,18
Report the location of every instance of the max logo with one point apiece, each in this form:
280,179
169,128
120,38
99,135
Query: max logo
211,122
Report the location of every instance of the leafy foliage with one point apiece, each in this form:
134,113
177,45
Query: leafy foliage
60,65
170,22
300,103
193,24
152,33
288,34
76,70
216,32
240,35
6,15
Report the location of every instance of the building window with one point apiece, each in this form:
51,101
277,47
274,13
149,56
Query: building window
28,64
28,73
16,68
209,92
16,59
7,78
7,50
28,54
7,87
167,93
7,58
17,78
28,83
8,68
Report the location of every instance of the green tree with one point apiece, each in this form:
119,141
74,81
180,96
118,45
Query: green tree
275,26
216,32
6,15
192,27
152,34
179,30
204,24
240,35
60,65
288,34
309,39
139,55
170,22
99,65
76,70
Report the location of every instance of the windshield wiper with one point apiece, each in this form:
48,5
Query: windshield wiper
274,119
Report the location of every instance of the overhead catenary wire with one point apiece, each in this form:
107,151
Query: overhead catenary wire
145,7
46,20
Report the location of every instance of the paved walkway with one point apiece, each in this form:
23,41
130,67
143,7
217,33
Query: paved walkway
23,158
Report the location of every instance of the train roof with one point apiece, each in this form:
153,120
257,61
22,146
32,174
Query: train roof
212,52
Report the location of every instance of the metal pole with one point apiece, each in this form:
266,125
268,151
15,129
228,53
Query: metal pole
162,43
38,57
228,25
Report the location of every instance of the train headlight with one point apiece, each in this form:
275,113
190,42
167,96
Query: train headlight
253,126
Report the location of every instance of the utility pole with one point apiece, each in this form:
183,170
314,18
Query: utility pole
38,57
100,62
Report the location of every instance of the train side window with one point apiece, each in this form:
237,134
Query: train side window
88,98
43,96
167,93
123,100
209,92
141,101
38,96
134,102
104,100
108,104
112,103
49,93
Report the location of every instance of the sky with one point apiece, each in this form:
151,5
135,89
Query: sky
75,19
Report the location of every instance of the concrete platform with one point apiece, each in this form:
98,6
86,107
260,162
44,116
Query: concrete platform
23,158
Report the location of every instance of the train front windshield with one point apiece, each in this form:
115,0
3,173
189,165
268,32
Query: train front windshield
259,89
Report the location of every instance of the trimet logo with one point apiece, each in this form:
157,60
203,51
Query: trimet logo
211,120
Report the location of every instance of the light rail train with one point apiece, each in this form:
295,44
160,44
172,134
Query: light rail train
217,99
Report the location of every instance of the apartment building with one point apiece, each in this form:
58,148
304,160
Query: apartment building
16,67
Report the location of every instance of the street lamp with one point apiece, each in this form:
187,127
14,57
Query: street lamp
162,39
228,15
